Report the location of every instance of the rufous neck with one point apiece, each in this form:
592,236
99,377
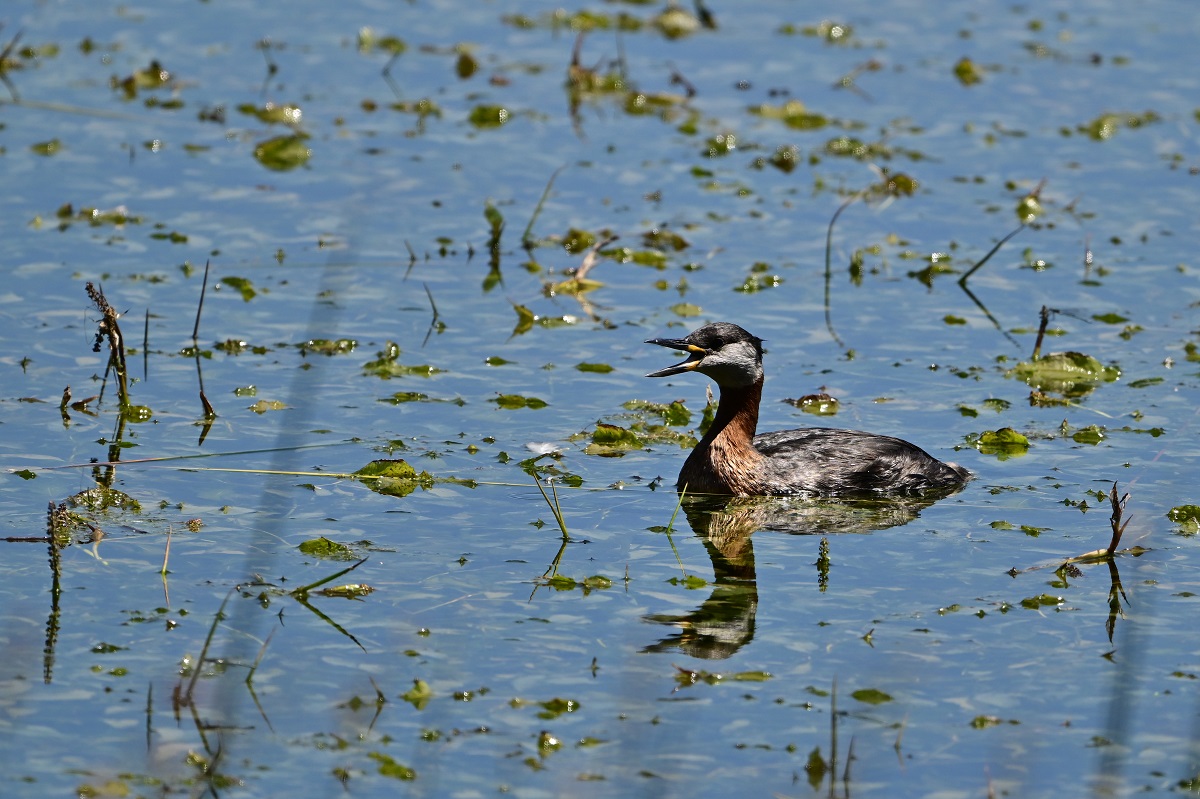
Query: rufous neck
737,413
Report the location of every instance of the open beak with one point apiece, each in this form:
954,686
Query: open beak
695,356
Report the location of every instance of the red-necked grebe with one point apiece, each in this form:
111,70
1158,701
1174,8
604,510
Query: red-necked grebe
731,459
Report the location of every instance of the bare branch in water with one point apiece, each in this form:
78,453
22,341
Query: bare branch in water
108,329
1118,510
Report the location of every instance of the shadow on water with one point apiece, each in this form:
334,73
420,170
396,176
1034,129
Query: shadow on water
724,622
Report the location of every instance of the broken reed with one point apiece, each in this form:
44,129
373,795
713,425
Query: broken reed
108,329
1118,510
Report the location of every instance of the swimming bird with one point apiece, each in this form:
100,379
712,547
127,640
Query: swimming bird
731,459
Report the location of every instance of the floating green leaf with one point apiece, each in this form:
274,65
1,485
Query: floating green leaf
326,346
49,147
645,103
871,696
821,404
388,767
719,145
283,153
967,72
664,239
612,440
401,397
1072,374
1041,601
597,368
794,114
393,477
288,114
786,158
466,65
686,310
576,241
1029,208
488,116
1003,443
526,319
553,708
831,32
983,722
816,767
100,500
387,365
573,286
137,413
513,401
350,591
326,549
1187,517
419,695
369,40
153,76
397,468
241,285
494,218
262,406
675,22
693,582
1106,126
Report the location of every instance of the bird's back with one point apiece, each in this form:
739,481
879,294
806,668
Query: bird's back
822,460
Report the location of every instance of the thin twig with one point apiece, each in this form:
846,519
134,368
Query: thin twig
526,237
555,508
833,739
146,348
829,265
200,305
1118,527
166,553
671,528
198,666
962,281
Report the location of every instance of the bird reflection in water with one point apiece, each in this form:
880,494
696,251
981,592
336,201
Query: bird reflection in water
724,622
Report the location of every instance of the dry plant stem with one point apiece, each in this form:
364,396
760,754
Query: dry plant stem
555,508
833,740
200,305
527,236
1041,334
198,666
962,281
1118,527
436,316
1118,522
4,54
108,329
829,266
671,529
146,347
303,591
593,255
167,552
261,652
210,413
